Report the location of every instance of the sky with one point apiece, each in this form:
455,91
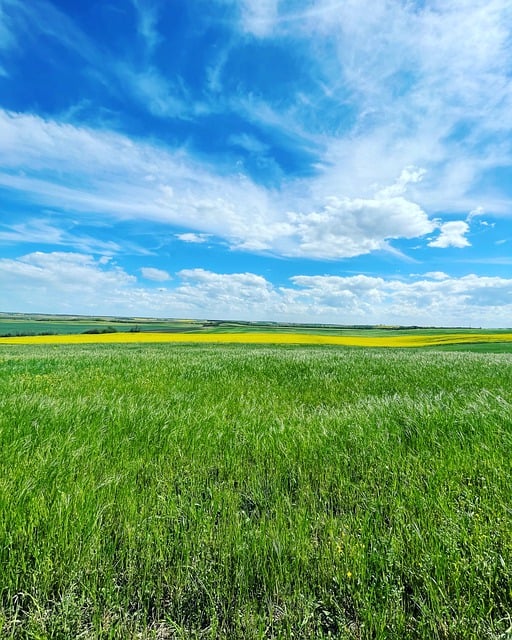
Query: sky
327,161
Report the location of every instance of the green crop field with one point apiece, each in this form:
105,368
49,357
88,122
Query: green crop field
246,491
33,325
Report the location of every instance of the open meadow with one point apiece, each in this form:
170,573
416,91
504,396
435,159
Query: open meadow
160,490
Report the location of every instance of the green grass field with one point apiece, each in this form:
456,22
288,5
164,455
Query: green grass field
234,491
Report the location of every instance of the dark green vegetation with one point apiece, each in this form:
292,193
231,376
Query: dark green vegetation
26,324
171,491
483,347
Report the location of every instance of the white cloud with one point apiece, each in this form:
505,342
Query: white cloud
470,300
351,227
428,84
154,92
478,211
410,175
437,275
249,143
42,232
19,20
78,283
98,173
63,281
258,16
66,269
195,238
147,24
227,295
158,275
5,34
453,234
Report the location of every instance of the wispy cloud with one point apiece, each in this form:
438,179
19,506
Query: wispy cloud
6,37
429,86
249,143
147,14
259,16
101,173
194,238
153,92
36,231
157,275
114,72
20,21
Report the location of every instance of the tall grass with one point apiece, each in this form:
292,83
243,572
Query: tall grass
231,491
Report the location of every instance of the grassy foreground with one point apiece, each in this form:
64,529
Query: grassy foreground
236,491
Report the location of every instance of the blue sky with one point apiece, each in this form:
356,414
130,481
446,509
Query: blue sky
308,160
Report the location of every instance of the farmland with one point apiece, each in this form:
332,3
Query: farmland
22,329
492,341
170,490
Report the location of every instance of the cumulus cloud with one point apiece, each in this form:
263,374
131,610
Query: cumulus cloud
65,269
78,283
63,281
350,227
469,300
437,275
227,295
453,234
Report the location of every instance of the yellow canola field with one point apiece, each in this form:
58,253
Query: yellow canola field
264,338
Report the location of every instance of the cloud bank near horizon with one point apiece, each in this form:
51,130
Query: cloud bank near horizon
35,280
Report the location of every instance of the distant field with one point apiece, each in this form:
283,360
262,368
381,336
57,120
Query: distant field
492,340
251,492
29,325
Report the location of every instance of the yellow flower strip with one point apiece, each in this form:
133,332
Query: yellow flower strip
263,338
